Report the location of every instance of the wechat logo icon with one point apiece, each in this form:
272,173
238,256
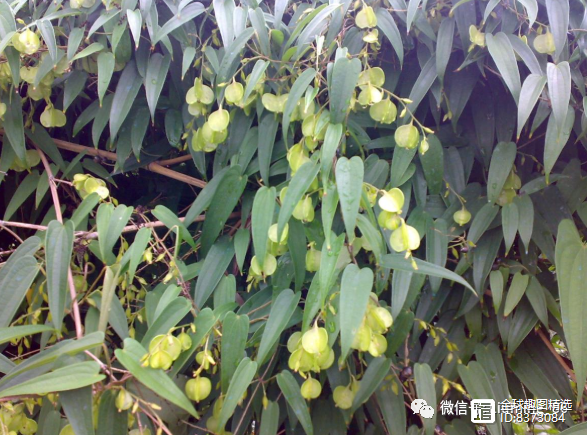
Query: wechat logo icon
419,406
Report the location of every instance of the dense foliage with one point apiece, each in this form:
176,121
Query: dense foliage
290,217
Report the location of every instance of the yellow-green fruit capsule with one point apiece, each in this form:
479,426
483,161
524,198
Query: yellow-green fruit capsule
313,258
315,340
300,360
405,238
325,359
384,317
67,430
384,112
545,43
462,216
407,136
378,345
366,18
294,341
52,117
311,389
308,210
362,339
343,397
424,147
160,360
185,340
272,233
234,93
218,120
198,389
392,201
28,427
375,76
123,400
30,41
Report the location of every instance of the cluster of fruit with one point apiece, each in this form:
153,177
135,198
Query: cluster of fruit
275,248
13,420
403,237
377,321
512,184
367,20
164,349
310,351
86,184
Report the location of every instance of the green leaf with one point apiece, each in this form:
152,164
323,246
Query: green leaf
345,75
496,285
349,183
425,390
481,222
515,292
578,429
254,77
502,161
413,6
135,22
89,50
556,140
559,89
24,190
444,46
105,69
402,158
266,142
231,56
558,18
242,238
571,266
523,50
531,9
291,390
491,359
172,222
270,419
157,69
74,84
373,237
531,90
14,127
297,187
376,372
77,405
437,248
126,92
433,165
187,14
523,321
215,264
238,385
328,261
58,249
328,150
525,225
16,276
63,379
13,332
188,59
224,201
387,25
224,13
535,295
477,384
154,379
48,34
110,420
500,49
235,330
296,243
75,38
355,288
136,250
281,311
108,294
398,262
510,219
204,199
297,91
110,222
423,83
258,22
48,356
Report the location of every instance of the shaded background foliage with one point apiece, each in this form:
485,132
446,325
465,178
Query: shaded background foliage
493,309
